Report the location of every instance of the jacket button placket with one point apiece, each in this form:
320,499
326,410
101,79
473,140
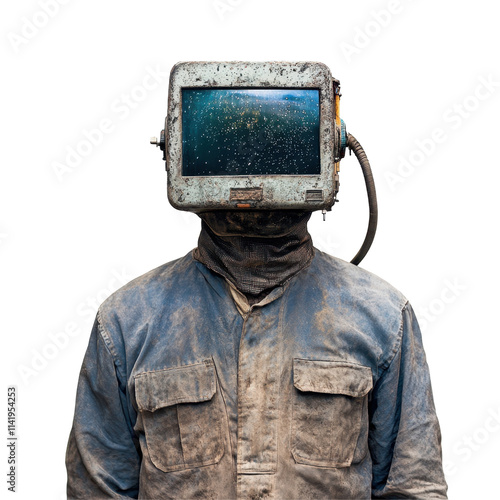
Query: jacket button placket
258,390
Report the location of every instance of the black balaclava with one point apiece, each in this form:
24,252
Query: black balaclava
255,250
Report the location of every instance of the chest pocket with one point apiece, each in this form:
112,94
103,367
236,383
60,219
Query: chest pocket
330,415
183,414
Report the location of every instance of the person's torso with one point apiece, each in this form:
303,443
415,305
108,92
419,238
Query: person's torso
272,404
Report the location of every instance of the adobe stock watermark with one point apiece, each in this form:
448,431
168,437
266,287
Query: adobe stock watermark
364,35
32,25
223,7
189,219
450,292
470,444
121,108
57,341
453,118
327,244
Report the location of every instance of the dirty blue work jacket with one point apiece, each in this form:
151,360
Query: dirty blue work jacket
320,391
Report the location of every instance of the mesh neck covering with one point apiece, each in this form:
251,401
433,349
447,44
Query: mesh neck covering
255,251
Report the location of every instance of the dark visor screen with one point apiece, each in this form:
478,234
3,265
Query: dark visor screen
250,132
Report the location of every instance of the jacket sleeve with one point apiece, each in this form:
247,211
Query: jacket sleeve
405,439
102,457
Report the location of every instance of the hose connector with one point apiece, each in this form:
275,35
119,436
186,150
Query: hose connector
343,139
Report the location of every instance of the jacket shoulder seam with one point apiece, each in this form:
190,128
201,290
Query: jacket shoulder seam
106,337
399,339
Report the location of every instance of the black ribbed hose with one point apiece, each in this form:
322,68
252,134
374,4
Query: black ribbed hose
360,154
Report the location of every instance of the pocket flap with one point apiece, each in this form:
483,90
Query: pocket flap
332,377
183,384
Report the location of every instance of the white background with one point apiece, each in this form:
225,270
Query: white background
69,239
